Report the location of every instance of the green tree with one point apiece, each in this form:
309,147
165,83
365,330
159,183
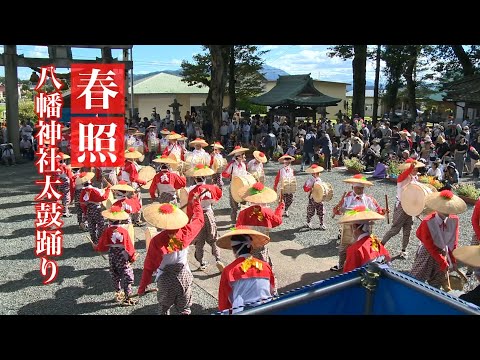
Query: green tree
26,111
359,66
243,71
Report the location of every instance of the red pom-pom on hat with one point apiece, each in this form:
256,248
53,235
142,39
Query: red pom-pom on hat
261,154
199,166
258,186
166,209
115,208
314,166
357,176
447,194
359,208
122,182
131,149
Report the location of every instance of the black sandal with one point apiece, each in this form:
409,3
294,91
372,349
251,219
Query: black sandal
336,268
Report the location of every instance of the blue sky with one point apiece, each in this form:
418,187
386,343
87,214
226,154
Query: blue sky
294,59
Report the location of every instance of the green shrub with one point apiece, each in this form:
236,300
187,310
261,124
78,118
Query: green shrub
354,164
468,190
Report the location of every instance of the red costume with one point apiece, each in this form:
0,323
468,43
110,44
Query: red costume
92,195
240,269
108,239
131,206
130,168
213,194
168,180
257,215
169,241
425,236
476,223
366,248
171,147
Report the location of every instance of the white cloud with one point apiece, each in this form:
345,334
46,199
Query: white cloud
38,52
176,62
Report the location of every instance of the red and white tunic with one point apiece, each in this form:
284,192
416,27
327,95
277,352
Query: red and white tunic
170,247
365,249
285,172
245,280
235,168
91,194
130,205
175,148
440,238
129,173
352,200
198,157
255,166
116,236
260,218
166,182
212,195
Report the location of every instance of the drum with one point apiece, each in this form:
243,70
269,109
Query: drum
457,282
413,198
238,182
347,235
176,157
150,232
131,232
192,159
322,192
289,185
147,173
182,196
107,204
219,164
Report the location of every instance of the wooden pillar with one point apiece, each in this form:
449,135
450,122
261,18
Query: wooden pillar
11,90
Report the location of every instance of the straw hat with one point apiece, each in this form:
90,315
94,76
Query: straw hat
115,213
64,156
217,145
258,239
358,179
138,133
65,129
286,157
445,202
122,186
85,177
237,150
409,162
173,136
314,169
199,170
183,137
404,132
165,216
198,141
440,139
260,157
257,193
131,153
469,255
152,127
165,131
164,159
132,129
360,214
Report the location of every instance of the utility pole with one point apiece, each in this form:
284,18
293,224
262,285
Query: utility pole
11,89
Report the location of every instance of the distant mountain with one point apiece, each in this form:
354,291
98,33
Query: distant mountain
270,73
369,86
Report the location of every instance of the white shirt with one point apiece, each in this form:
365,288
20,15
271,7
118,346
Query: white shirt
404,183
255,166
352,200
286,173
436,172
237,169
443,233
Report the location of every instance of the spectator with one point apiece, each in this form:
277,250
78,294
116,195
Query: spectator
357,148
26,148
308,149
450,176
461,149
326,149
8,156
435,170
292,149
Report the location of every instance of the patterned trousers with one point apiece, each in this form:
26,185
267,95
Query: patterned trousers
288,199
175,288
425,268
234,206
217,180
400,221
64,189
315,206
120,270
166,197
96,222
208,234
78,209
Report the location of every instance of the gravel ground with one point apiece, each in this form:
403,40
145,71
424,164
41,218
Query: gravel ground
83,285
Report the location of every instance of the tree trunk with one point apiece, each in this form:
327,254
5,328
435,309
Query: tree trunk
231,81
219,55
411,83
377,83
359,66
464,60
